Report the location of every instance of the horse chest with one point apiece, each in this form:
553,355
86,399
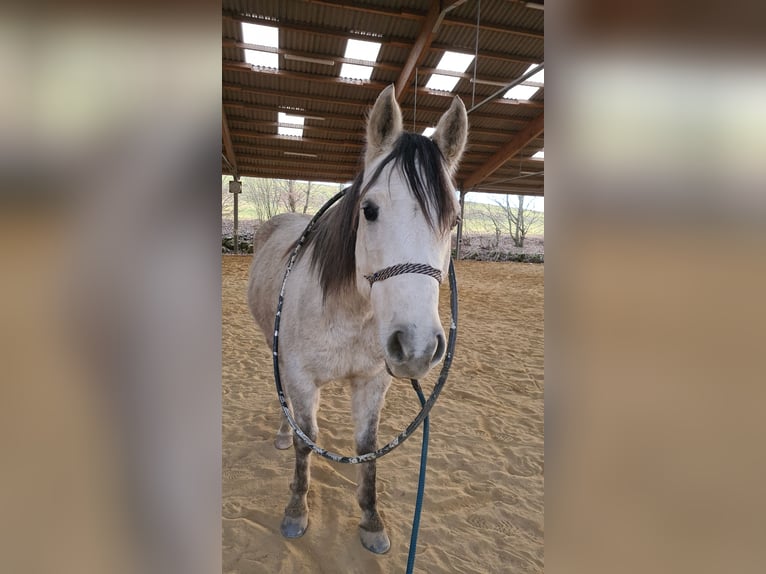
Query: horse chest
344,349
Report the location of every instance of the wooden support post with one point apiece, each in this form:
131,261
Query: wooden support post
460,226
235,187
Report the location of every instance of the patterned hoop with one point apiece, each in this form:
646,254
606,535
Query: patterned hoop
425,409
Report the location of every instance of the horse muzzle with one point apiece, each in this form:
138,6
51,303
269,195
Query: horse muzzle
411,357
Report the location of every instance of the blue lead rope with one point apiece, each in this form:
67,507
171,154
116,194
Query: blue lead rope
421,484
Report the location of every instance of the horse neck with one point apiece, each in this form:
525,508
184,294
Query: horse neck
349,302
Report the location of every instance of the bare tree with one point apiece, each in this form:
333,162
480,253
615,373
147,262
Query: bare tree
520,219
264,195
497,221
271,196
294,193
227,199
308,195
289,194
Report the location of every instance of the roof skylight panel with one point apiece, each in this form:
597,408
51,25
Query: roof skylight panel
284,118
356,72
538,78
362,50
449,62
359,50
454,62
262,36
528,87
442,83
262,59
520,92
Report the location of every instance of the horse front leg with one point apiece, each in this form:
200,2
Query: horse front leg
284,438
296,517
367,401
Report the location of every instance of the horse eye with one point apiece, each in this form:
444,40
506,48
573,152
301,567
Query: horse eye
370,211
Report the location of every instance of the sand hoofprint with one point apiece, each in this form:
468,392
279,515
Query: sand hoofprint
483,508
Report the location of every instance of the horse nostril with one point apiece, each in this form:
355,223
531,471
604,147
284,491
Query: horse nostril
439,348
395,349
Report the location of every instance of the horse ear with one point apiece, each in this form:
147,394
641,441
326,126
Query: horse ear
384,124
451,133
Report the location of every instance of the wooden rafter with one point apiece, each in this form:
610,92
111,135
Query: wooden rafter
305,100
373,87
407,112
299,172
510,149
318,141
428,29
358,125
489,27
360,7
426,34
227,143
352,139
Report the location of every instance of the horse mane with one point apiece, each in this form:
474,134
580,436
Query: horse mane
334,238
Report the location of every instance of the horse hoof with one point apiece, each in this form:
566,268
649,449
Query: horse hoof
376,542
283,441
294,526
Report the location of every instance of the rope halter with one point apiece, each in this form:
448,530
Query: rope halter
401,269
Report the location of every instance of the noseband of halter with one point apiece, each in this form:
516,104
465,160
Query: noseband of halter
401,269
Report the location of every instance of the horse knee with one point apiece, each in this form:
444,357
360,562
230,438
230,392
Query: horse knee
301,448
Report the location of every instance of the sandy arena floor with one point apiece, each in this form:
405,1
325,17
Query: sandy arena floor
483,509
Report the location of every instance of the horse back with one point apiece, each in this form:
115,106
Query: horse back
272,245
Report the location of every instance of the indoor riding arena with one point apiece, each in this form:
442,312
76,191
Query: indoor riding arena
483,504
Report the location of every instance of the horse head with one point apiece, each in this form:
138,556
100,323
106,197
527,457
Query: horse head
406,211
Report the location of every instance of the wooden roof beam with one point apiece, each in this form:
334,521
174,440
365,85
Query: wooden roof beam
359,122
426,34
231,157
291,139
375,87
428,28
490,27
510,191
358,7
304,100
510,149
299,173
403,14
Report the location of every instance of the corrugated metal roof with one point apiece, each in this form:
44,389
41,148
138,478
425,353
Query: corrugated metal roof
312,41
